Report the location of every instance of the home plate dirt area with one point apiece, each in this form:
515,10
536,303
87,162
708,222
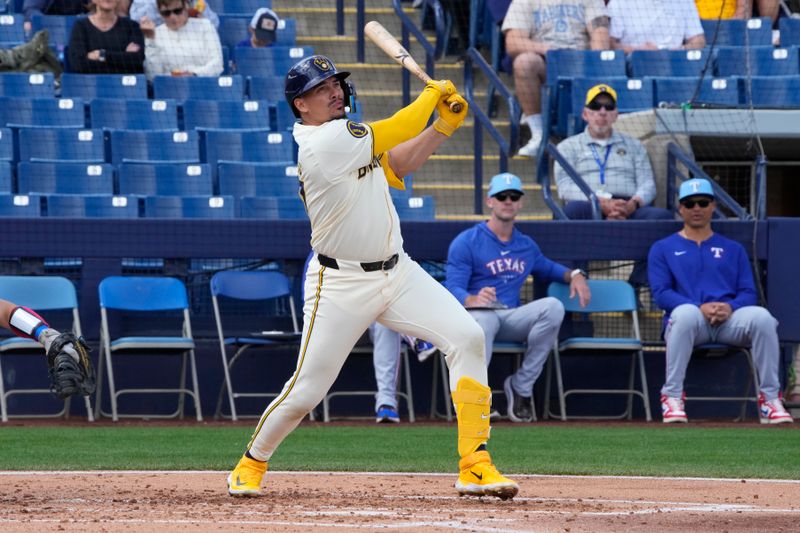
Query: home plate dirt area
323,501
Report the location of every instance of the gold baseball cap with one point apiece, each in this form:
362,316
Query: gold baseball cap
592,93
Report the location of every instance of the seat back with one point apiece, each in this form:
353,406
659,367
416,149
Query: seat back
718,91
198,88
251,285
89,86
284,117
189,207
415,208
682,63
760,61
20,205
59,28
41,293
55,112
238,7
607,296
257,179
65,178
269,61
266,88
6,144
154,146
773,92
92,206
133,114
165,179
28,85
6,177
139,293
249,114
790,31
262,146
734,32
61,144
272,207
567,63
11,30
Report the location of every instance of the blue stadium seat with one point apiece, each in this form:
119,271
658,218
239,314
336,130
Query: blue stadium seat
65,178
61,144
20,205
257,179
6,145
689,63
94,206
140,114
415,208
58,26
27,85
189,207
238,7
132,146
268,61
266,88
226,114
6,177
790,31
567,63
255,146
632,94
53,112
11,30
272,207
760,61
284,117
733,32
89,86
774,92
716,91
165,179
198,88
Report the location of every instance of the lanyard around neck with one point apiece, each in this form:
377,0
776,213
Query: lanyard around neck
601,164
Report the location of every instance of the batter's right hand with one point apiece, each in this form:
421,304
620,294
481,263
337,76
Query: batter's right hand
445,88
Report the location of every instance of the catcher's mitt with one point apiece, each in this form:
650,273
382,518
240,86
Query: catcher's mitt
68,376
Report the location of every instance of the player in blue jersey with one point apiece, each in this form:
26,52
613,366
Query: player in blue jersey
486,267
704,283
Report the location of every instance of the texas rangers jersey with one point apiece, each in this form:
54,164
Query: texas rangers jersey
683,272
477,259
345,192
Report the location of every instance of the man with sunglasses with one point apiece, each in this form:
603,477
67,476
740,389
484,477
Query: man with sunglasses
704,283
615,166
486,268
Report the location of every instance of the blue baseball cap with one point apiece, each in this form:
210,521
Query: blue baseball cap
695,187
505,182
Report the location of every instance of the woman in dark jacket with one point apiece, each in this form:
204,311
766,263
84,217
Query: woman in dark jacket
105,43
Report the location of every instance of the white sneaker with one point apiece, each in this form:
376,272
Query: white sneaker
773,411
532,148
672,410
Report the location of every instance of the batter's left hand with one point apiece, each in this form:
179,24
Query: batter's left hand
448,122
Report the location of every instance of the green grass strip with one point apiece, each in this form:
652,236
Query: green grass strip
746,452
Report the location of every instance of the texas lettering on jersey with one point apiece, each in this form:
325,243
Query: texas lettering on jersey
510,264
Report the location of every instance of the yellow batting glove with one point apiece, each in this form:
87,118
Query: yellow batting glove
445,88
448,121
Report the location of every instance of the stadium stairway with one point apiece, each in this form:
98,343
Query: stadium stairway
448,176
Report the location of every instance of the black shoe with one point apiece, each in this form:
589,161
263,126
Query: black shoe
520,408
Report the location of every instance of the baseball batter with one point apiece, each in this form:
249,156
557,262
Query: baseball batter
360,273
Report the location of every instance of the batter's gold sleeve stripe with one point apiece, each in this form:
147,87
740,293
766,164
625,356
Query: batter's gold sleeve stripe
300,362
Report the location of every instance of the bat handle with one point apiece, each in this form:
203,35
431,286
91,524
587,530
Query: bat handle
455,107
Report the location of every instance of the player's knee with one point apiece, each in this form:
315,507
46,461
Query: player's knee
762,318
553,311
528,64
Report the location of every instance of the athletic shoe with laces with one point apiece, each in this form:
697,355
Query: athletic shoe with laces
520,408
773,411
423,349
479,477
387,413
532,147
672,409
245,479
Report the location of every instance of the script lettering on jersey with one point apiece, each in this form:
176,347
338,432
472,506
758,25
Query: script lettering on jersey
717,251
375,163
503,264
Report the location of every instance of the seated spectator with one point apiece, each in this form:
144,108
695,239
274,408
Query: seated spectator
723,9
182,46
532,28
105,43
486,267
140,9
614,165
262,30
655,25
704,283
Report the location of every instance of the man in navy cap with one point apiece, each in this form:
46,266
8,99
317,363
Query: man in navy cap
263,29
486,268
704,283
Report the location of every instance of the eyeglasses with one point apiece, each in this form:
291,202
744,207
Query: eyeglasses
504,195
595,106
167,12
689,204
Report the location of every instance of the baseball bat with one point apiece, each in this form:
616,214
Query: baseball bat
379,35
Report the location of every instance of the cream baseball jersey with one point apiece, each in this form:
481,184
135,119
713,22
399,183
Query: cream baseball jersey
345,192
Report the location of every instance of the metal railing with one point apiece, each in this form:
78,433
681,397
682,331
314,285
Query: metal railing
547,153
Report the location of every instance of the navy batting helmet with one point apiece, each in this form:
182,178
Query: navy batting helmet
310,72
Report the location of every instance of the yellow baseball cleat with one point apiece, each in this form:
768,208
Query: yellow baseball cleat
245,480
479,477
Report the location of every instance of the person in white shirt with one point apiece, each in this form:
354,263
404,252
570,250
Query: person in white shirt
655,25
182,46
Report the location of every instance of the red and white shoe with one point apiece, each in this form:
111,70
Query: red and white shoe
772,411
672,410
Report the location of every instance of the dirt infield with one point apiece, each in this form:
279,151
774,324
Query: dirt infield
295,502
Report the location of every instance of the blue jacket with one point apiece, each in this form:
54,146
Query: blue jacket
681,272
477,259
